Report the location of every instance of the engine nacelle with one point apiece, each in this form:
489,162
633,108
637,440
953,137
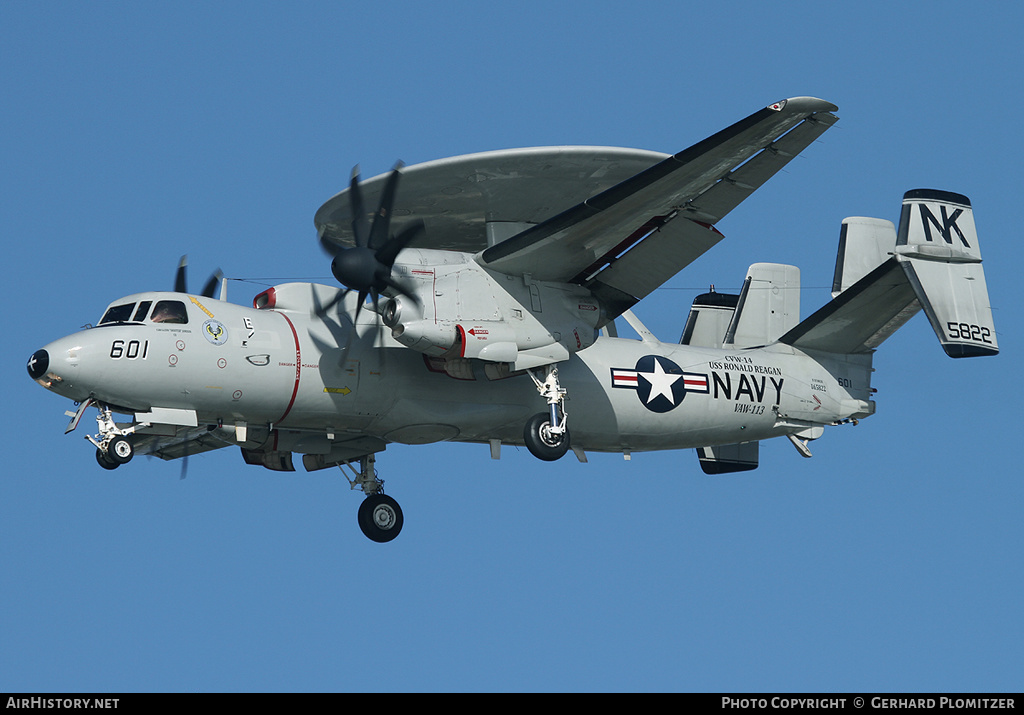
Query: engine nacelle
426,336
463,310
487,340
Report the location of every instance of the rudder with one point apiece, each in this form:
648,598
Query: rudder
937,247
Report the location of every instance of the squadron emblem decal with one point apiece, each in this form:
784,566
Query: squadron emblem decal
215,332
659,383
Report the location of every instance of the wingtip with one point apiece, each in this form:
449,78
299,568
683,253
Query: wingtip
804,104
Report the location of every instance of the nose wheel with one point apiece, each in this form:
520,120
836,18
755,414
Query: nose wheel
104,461
120,450
113,445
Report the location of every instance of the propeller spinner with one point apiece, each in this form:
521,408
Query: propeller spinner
366,267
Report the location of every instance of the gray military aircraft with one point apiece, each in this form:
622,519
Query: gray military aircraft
488,316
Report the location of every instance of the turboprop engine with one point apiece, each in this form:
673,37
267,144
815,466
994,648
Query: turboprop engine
447,305
456,308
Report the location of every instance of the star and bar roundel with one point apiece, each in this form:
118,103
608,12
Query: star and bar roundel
659,383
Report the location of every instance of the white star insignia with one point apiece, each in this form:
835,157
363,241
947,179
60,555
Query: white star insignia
661,383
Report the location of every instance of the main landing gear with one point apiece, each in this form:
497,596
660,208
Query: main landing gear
380,517
547,434
113,445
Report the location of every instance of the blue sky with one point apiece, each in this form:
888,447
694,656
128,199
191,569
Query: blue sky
134,132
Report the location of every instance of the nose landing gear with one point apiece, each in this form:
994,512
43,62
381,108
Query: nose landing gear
113,444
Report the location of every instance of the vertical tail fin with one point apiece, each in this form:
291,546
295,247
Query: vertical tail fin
937,247
768,306
884,277
709,319
864,245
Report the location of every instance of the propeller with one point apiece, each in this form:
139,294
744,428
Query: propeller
366,267
337,330
181,284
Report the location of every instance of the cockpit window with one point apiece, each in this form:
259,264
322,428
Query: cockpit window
118,314
140,314
169,311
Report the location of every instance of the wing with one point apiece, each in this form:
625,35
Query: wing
627,240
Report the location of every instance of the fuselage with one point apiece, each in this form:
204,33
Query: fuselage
285,368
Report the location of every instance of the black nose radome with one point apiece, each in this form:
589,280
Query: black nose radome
38,364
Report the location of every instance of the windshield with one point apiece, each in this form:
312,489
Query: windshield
166,311
118,314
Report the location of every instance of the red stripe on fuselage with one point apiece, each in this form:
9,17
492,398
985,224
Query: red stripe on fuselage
298,369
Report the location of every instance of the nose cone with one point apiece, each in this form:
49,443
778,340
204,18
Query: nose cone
57,367
38,364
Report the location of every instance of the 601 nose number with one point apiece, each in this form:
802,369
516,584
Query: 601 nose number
130,350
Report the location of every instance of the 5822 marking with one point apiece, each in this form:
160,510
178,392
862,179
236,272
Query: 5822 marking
968,331
130,350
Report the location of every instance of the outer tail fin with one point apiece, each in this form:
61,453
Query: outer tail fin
935,264
709,319
937,246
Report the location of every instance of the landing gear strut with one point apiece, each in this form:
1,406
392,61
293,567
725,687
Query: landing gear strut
547,434
380,517
113,444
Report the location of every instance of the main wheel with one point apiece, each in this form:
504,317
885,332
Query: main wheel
541,441
120,450
380,518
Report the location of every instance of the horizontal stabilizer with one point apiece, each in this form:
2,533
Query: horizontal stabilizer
861,317
728,458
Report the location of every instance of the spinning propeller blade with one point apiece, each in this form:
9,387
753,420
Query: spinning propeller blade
181,279
180,284
211,284
366,267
